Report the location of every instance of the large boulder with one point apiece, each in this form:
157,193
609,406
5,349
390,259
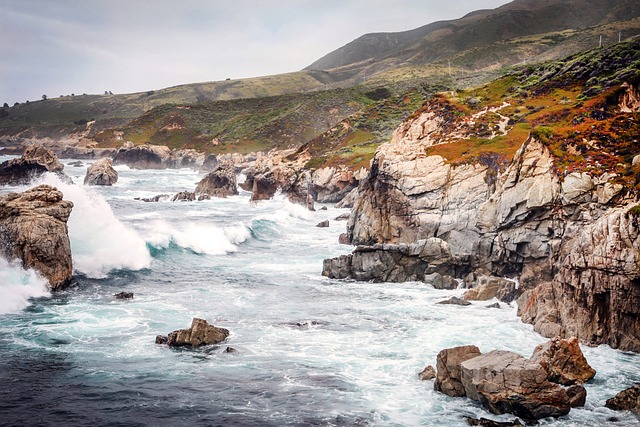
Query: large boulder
563,361
200,333
143,156
35,161
448,376
505,382
626,400
221,182
489,287
33,229
101,173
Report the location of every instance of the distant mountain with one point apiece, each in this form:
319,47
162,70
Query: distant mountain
381,51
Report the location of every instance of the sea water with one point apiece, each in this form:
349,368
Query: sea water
310,351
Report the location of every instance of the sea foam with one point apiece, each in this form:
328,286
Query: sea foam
198,237
100,243
18,286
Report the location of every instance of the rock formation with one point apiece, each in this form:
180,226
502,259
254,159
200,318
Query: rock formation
626,400
33,229
150,156
101,173
570,239
506,382
221,182
35,161
200,333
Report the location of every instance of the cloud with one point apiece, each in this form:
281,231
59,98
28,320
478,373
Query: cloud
125,46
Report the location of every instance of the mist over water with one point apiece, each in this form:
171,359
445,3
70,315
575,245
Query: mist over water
310,351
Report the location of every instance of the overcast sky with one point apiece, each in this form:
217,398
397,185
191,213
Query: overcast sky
59,47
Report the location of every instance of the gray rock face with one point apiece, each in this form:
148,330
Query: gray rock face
33,229
221,182
150,156
101,173
35,161
200,333
572,241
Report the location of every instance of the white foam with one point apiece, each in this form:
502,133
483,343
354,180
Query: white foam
18,286
199,237
100,243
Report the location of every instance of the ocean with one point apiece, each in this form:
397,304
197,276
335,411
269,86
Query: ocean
310,351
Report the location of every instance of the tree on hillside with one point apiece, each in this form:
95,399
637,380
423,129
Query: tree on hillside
16,104
5,105
44,97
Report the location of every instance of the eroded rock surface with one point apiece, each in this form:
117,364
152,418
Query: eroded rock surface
35,161
221,182
101,173
33,229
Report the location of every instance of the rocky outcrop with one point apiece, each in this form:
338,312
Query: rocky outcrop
489,287
101,173
428,373
150,156
33,229
184,196
200,333
626,400
570,240
506,382
35,161
331,185
221,182
629,101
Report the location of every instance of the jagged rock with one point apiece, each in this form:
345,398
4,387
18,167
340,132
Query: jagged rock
143,156
494,305
448,376
35,161
323,224
492,287
629,100
485,422
626,400
124,295
577,396
33,229
221,182
505,382
563,360
343,217
348,200
343,239
200,333
331,185
455,301
161,339
101,173
428,373
184,196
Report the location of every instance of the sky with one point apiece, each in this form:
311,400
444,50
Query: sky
59,47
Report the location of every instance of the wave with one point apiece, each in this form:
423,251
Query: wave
100,243
19,286
198,237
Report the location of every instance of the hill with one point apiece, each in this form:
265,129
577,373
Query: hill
377,52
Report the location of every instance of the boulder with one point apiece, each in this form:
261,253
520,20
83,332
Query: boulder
143,156
626,400
440,281
505,382
455,301
428,373
124,295
323,224
221,182
101,173
200,333
448,376
489,287
577,396
35,161
563,361
33,229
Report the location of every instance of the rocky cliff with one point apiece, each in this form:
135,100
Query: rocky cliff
33,229
569,232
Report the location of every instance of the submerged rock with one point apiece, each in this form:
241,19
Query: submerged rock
323,224
124,295
101,173
455,301
184,196
33,229
485,422
200,333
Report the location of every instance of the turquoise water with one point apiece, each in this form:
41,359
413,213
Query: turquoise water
310,351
